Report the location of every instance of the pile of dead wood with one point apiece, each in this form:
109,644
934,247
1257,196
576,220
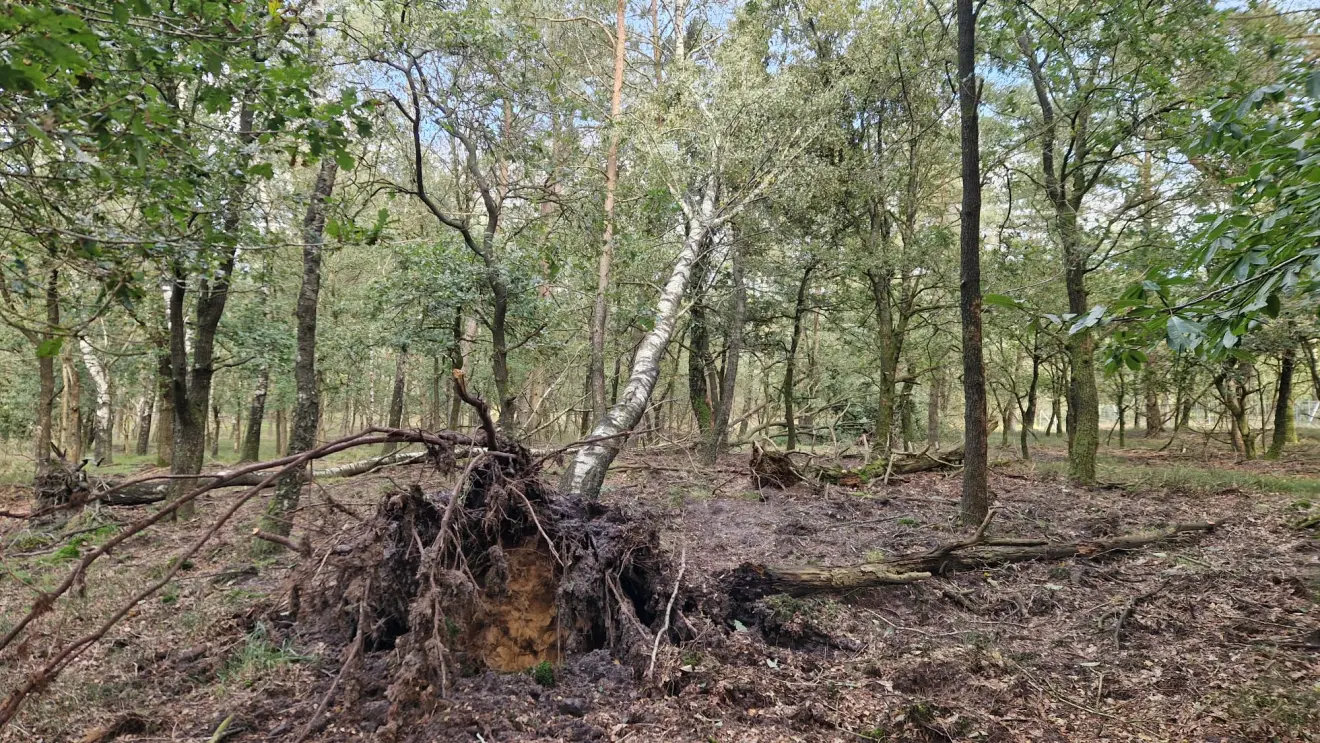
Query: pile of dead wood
788,468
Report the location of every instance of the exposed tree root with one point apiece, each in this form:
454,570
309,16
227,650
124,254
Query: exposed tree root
502,572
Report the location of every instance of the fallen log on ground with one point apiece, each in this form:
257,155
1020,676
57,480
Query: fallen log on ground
780,470
155,492
751,581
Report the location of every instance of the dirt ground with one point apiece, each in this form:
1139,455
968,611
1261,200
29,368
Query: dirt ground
1210,637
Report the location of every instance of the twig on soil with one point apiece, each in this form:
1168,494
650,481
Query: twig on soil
1046,687
1131,607
669,609
223,730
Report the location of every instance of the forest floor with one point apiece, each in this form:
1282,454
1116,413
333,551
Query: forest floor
1219,644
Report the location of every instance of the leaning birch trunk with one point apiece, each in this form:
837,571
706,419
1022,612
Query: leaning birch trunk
586,473
101,448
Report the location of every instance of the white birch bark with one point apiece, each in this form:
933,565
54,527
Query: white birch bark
101,380
586,473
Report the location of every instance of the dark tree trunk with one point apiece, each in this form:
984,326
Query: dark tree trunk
165,413
1029,412
718,440
975,502
396,397
256,415
790,363
215,430
43,435
307,408
1283,404
192,387
933,402
144,421
433,416
456,364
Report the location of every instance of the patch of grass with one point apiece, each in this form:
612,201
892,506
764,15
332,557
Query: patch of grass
908,521
543,673
257,658
1194,479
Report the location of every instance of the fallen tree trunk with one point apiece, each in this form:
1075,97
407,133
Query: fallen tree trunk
751,581
781,470
154,492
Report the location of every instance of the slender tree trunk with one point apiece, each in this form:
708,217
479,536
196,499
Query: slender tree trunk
1231,383
790,361
238,428
191,387
600,311
433,421
585,475
43,435
1154,416
280,440
72,422
1283,404
718,438
396,397
165,414
307,409
215,430
933,392
145,411
1029,413
103,433
256,416
975,502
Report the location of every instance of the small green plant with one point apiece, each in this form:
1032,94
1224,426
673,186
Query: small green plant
907,521
258,657
543,673
65,553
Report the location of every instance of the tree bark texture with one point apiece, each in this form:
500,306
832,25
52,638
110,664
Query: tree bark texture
790,360
396,396
256,416
1283,404
307,408
600,311
718,439
191,387
975,502
586,473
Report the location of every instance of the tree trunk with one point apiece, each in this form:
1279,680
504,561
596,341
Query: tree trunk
433,421
700,362
191,388
396,397
307,408
165,411
256,415
975,502
933,392
1234,393
145,411
718,438
71,423
43,435
279,432
215,430
600,311
103,433
585,475
1154,416
1029,413
790,361
1283,404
